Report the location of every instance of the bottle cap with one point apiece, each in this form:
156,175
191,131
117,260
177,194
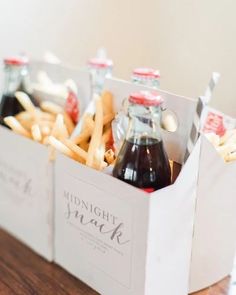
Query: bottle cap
146,73
146,98
100,62
16,60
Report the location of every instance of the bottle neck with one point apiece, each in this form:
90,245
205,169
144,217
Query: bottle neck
146,81
144,124
16,78
99,74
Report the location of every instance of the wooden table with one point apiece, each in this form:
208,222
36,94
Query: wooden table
24,273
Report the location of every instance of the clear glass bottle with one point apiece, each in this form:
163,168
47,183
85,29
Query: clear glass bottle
142,160
146,77
16,78
100,68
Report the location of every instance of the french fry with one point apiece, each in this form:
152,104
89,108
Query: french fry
97,132
11,122
107,101
46,140
89,122
230,157
99,157
57,125
88,128
84,145
107,135
43,123
82,137
110,156
69,123
36,133
59,132
45,116
58,145
171,168
108,118
51,107
75,148
24,116
63,132
103,166
26,102
78,151
26,124
45,130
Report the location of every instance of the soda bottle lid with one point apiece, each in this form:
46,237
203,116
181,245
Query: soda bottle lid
146,72
146,98
16,60
100,62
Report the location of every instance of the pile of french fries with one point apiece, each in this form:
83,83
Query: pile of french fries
90,146
41,123
225,145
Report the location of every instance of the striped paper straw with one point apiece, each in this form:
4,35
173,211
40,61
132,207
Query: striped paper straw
202,102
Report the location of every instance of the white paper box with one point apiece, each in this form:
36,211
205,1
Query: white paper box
26,175
26,196
214,240
152,244
154,259
156,228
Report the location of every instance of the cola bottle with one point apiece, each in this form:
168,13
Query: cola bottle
16,78
142,160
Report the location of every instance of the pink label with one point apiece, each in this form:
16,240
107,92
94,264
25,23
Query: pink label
214,123
72,106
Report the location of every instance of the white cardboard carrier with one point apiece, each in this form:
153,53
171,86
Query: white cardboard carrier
26,181
214,240
118,239
26,192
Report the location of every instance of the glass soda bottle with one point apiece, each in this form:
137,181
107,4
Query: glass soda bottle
147,77
16,78
142,160
100,68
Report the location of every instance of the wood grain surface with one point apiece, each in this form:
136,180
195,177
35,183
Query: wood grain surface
24,273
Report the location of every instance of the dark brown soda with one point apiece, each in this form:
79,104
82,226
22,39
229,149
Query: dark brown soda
9,106
143,164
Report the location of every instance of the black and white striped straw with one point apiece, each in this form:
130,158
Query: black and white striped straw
202,102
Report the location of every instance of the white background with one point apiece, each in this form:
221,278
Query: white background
185,39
